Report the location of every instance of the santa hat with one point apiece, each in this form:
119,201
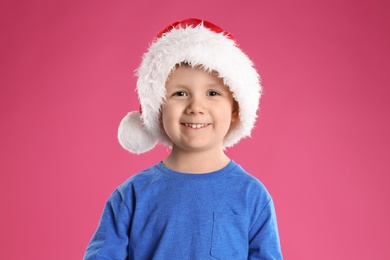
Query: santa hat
197,43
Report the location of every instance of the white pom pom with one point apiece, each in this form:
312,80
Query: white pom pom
133,136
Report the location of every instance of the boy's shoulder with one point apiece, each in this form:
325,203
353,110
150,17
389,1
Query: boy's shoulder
141,179
247,179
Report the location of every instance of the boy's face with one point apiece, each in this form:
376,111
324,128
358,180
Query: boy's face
198,111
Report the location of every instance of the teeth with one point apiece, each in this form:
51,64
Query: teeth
195,126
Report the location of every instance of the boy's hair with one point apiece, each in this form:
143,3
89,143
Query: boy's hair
196,43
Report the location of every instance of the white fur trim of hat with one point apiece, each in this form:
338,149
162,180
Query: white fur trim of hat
198,43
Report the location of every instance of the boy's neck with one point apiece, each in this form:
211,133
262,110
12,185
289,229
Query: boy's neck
196,162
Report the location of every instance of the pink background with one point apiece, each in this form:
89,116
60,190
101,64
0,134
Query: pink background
321,144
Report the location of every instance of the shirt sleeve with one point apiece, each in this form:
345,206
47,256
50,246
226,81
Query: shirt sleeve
111,238
264,237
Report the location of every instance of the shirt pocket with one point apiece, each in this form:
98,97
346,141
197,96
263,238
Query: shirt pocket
229,237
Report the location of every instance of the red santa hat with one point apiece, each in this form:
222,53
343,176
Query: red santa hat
197,43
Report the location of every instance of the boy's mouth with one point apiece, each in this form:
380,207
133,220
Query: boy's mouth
195,126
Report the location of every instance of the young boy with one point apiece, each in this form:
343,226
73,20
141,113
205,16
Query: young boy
199,93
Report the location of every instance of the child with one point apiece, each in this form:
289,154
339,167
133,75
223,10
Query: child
199,93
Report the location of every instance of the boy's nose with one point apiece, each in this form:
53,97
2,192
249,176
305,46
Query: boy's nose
195,106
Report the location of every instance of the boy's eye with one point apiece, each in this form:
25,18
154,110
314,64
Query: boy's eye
180,94
212,93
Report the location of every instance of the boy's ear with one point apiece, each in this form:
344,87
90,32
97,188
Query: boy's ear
234,120
235,116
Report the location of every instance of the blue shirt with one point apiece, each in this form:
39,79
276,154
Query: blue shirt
163,214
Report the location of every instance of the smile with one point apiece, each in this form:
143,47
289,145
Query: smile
196,126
